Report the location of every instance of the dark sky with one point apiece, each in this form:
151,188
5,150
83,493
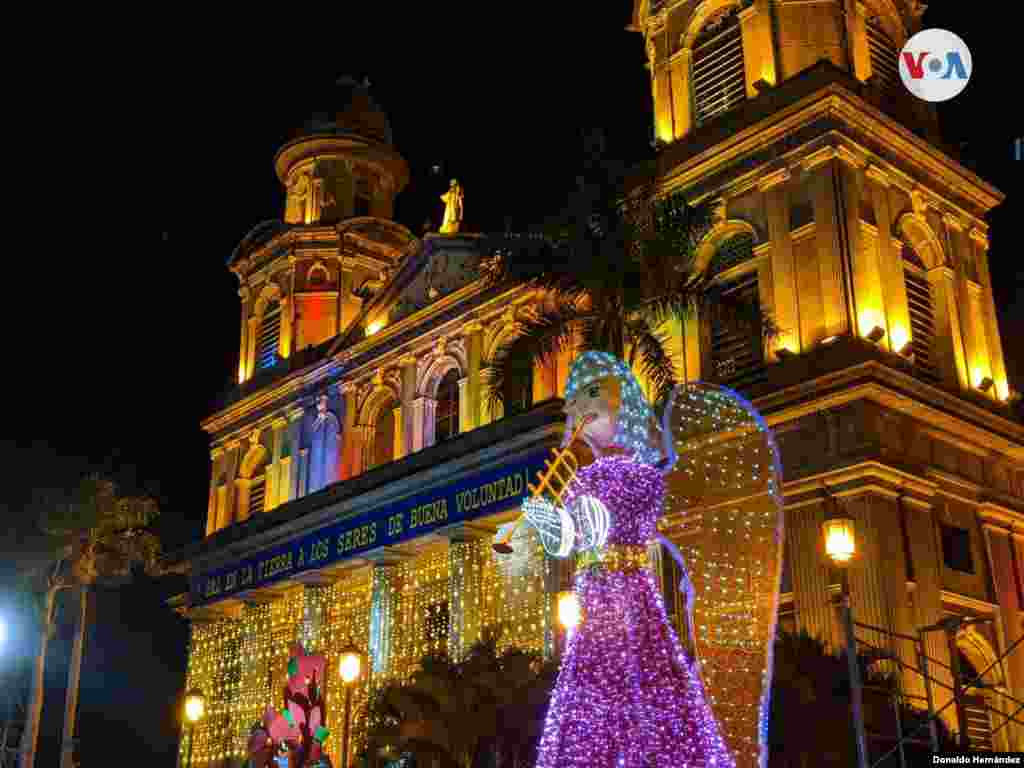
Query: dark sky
158,142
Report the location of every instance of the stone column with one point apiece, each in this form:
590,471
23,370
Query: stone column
474,336
949,348
243,342
349,442
1001,389
1004,562
787,313
822,170
758,46
866,275
890,262
408,395
661,83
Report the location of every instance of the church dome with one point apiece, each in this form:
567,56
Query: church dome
359,114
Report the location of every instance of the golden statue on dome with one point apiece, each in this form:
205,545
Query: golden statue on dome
452,209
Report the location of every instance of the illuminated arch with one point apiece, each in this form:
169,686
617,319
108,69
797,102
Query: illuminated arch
700,17
918,234
439,366
271,292
719,234
376,404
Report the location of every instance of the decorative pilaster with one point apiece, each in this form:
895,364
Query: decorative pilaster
857,39
890,263
787,314
969,298
1001,546
284,346
810,574
232,459
398,447
408,395
277,488
250,355
212,509
679,72
294,437
758,46
949,348
997,364
243,342
465,408
866,276
350,444
425,417
474,336
927,564
822,170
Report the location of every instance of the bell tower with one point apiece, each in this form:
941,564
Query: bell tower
342,165
842,214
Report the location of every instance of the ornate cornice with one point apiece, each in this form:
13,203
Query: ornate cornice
773,179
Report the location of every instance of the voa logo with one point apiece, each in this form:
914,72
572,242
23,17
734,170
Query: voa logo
935,65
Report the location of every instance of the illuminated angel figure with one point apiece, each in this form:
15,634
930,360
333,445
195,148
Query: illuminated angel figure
627,695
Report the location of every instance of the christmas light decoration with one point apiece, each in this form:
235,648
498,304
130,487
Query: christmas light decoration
725,510
627,696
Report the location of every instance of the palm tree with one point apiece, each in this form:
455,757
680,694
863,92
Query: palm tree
484,712
611,272
89,540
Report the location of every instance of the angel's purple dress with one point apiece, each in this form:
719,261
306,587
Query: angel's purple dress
628,695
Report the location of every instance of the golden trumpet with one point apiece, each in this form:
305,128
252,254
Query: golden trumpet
554,479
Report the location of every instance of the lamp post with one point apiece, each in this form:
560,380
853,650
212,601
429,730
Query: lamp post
840,546
350,668
195,710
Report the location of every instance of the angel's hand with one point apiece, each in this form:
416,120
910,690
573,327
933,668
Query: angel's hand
554,525
593,521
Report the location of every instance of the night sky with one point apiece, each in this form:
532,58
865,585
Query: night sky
158,148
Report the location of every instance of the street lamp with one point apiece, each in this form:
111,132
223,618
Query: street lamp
195,710
841,547
350,668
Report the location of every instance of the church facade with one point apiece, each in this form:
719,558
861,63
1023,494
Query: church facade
357,475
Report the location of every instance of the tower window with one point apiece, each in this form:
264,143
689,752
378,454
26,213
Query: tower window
956,549
736,345
718,77
268,337
446,417
919,303
884,56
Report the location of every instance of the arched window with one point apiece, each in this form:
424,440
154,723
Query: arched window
446,416
718,76
384,436
268,336
922,314
518,385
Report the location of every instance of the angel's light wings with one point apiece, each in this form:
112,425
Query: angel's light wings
724,512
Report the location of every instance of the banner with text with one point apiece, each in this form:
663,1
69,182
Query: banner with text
471,497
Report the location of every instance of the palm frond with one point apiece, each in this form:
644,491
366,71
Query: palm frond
651,351
544,332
